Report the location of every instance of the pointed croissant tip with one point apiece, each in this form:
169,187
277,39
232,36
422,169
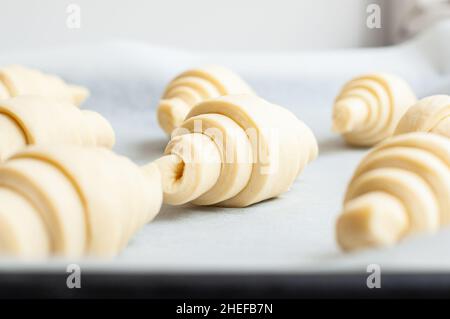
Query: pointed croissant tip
103,130
314,153
79,94
342,119
171,113
372,220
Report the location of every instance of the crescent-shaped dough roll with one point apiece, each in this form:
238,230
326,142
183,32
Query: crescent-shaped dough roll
431,114
194,86
235,151
369,108
26,120
16,80
71,201
401,187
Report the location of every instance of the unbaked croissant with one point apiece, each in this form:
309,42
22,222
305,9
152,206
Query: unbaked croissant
401,187
235,151
194,86
431,114
70,201
16,80
28,120
369,108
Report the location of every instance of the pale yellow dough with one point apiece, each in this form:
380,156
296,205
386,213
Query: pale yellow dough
71,201
235,151
26,120
194,86
431,114
401,187
16,80
369,107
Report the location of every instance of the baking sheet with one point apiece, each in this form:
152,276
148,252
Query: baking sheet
293,233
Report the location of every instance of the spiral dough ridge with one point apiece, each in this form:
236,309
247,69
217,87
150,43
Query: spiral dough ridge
431,114
369,108
192,87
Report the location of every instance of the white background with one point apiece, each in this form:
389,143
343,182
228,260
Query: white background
197,24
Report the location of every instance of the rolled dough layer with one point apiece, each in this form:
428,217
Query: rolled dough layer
29,120
16,80
431,114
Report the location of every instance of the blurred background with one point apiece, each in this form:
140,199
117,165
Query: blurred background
217,25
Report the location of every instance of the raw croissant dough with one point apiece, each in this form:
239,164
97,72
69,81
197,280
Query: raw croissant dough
235,151
192,87
431,114
401,187
28,120
69,200
369,108
16,80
